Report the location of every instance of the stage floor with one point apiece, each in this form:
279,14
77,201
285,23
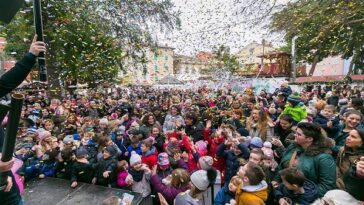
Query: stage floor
53,191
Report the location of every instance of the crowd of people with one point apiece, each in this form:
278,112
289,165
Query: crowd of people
267,148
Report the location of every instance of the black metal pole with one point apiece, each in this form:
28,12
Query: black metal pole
11,131
39,31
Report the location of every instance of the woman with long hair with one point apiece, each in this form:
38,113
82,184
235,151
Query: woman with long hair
260,125
348,156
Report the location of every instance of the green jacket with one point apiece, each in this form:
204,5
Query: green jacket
315,162
298,112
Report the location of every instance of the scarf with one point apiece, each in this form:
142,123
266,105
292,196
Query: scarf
137,175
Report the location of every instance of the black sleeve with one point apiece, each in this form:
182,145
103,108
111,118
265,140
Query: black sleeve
17,74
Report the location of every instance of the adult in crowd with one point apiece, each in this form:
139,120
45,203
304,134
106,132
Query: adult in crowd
349,155
352,119
173,119
311,153
260,125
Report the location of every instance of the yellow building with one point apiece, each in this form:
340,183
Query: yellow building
159,64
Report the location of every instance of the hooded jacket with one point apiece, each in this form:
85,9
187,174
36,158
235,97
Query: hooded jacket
150,158
252,194
315,162
224,196
308,197
232,160
297,112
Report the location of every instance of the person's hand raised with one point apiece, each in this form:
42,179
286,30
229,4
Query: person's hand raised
37,46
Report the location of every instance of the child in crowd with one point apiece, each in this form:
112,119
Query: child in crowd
232,156
135,145
328,120
64,164
82,171
254,189
105,170
225,195
123,174
295,187
295,108
140,178
149,152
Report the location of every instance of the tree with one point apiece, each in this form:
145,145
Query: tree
225,61
324,28
86,42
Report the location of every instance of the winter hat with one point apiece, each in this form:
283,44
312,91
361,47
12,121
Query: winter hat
81,152
114,116
111,150
31,131
267,145
205,162
163,159
135,158
42,134
120,130
202,179
336,197
104,121
294,99
68,139
256,142
201,145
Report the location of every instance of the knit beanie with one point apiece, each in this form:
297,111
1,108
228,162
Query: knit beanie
201,145
81,152
256,142
336,197
42,134
104,121
134,158
68,139
206,162
163,159
31,131
294,99
202,179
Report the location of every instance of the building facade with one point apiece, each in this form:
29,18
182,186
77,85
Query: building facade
159,63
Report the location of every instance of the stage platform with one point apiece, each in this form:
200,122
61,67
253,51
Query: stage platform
53,191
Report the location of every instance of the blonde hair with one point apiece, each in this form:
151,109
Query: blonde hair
236,180
262,124
180,178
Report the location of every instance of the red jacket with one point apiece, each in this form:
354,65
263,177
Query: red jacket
219,162
150,158
192,157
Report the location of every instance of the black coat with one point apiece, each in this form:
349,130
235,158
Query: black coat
82,172
322,122
106,165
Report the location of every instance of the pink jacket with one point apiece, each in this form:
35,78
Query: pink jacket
121,179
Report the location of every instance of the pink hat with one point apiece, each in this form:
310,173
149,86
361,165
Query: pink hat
205,162
163,159
201,145
42,134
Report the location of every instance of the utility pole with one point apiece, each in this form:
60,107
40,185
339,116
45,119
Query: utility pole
2,63
293,60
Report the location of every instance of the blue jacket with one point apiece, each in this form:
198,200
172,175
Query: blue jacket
224,196
232,160
309,196
138,150
322,122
